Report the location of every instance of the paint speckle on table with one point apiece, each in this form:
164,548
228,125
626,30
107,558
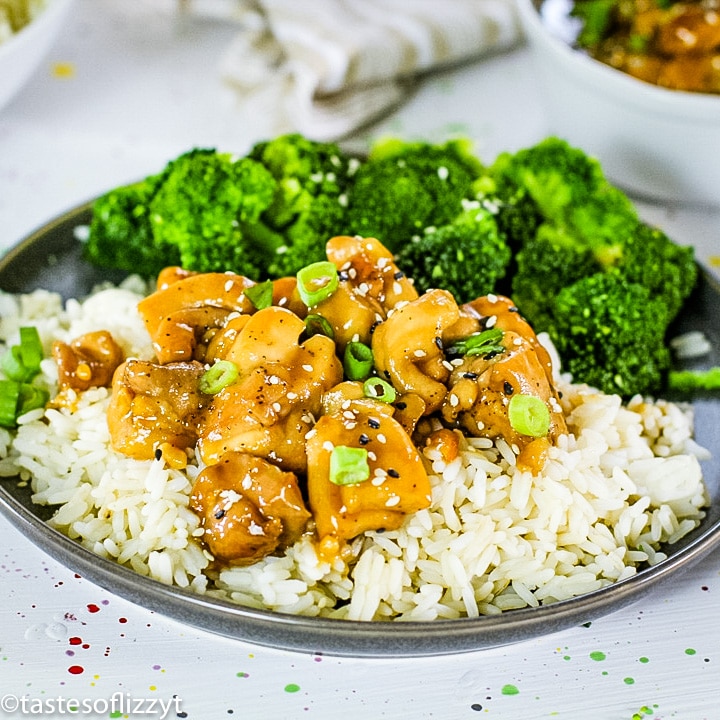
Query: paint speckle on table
598,655
292,688
510,689
63,70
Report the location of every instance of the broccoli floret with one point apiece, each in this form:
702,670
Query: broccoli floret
668,270
120,235
516,213
466,257
692,381
405,187
546,264
610,333
309,204
571,192
208,207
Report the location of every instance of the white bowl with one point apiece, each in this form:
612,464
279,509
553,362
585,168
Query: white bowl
655,143
22,53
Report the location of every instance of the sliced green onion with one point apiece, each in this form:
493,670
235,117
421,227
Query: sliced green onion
261,294
31,398
317,282
219,376
9,397
529,415
318,325
487,342
31,349
357,361
378,389
12,364
349,465
22,362
18,398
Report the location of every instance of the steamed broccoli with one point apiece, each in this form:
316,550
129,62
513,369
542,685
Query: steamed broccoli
694,381
547,263
517,215
589,229
309,204
610,334
208,206
120,235
405,187
668,270
468,256
571,192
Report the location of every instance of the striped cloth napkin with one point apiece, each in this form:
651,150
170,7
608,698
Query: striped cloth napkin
336,65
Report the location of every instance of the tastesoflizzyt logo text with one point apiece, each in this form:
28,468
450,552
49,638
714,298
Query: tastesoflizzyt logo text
118,705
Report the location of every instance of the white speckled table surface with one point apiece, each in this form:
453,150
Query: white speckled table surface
113,101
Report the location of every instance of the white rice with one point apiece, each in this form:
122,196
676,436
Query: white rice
622,485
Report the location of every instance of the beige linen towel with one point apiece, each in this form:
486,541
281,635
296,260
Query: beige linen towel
328,67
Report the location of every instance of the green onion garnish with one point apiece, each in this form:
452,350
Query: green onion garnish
18,398
318,325
378,389
529,415
9,397
348,465
219,376
261,294
357,361
22,362
31,398
487,342
317,282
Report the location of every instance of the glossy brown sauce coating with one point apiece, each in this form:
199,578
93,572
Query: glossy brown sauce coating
266,438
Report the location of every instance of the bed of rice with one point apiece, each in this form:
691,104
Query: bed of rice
624,483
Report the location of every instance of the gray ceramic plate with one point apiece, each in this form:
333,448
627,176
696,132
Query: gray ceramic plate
51,258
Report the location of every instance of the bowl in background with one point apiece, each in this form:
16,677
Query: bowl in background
655,143
22,53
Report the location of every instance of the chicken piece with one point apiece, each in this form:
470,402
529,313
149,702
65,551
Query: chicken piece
370,286
397,486
286,295
481,386
407,347
248,508
171,274
177,315
88,361
155,404
277,397
371,268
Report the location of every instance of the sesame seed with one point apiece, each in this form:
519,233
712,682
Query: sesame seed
490,322
381,438
419,353
307,368
327,445
229,284
393,501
